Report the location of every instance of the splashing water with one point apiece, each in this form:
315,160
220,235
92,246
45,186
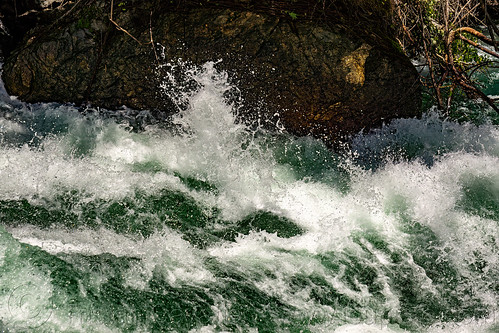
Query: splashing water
209,226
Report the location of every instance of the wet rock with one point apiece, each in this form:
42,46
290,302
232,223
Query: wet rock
17,17
322,79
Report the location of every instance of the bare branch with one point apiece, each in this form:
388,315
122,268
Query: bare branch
478,46
118,26
491,26
430,29
477,34
152,40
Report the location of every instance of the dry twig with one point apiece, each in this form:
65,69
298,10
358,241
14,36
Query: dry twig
118,26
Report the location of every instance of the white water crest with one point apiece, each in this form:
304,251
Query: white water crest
435,176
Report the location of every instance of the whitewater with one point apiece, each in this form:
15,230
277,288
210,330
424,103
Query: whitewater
207,224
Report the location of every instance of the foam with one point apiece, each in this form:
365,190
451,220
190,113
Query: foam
489,324
164,251
386,186
365,328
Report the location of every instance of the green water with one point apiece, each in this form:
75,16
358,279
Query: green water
212,226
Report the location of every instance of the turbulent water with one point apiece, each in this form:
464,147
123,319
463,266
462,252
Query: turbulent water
209,225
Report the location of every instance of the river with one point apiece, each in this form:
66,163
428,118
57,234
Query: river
209,225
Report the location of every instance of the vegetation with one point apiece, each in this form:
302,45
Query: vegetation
449,37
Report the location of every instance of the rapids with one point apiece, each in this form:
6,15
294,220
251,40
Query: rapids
209,225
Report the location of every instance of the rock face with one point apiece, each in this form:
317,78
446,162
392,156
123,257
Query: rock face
322,79
19,16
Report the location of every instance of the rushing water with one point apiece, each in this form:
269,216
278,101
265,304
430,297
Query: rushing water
210,226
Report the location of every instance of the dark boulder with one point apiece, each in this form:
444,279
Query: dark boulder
17,17
323,79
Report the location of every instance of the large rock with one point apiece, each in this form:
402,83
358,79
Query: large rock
19,16
322,79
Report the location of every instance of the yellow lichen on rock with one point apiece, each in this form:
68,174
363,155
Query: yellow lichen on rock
354,63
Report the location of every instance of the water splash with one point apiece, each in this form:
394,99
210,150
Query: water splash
211,225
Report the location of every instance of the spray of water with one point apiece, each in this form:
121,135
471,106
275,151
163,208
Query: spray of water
211,226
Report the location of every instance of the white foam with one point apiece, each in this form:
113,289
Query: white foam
488,324
27,296
364,328
7,126
248,179
165,252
